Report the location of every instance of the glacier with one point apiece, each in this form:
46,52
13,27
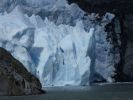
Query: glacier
57,42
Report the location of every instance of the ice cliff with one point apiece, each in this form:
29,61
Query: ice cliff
57,42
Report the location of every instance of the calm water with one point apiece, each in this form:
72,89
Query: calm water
96,92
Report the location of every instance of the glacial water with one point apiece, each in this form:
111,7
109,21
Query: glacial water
96,92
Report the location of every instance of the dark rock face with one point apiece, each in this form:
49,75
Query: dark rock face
128,65
15,79
102,6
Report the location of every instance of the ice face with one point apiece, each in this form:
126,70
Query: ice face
57,43
63,57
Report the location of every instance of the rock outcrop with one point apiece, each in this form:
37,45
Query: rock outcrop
15,79
102,6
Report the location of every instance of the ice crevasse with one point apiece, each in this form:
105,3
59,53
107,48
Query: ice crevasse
56,48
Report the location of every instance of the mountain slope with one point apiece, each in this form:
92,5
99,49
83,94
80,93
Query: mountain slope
15,79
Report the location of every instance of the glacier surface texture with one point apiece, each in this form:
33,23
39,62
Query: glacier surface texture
55,41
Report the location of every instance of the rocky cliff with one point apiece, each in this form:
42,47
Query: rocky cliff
15,79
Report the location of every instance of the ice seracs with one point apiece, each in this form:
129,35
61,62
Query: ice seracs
56,45
15,36
63,55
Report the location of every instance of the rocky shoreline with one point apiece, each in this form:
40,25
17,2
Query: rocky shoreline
15,79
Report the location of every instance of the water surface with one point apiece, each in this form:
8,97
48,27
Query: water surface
96,92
